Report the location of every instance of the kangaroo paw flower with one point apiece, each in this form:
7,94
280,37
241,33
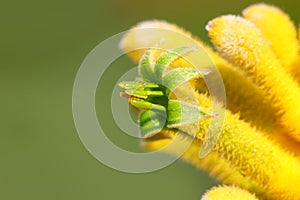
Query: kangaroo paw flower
257,146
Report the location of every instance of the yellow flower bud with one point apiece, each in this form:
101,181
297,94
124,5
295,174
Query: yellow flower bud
228,193
278,29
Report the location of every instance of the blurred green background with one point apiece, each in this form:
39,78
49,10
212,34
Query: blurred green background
42,46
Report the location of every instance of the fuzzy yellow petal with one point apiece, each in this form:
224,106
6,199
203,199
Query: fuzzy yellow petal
277,27
149,34
255,156
295,69
298,36
241,42
296,65
217,166
228,193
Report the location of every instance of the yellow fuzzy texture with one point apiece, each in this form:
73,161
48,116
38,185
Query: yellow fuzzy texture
217,166
298,35
245,99
228,193
270,171
241,43
295,69
255,156
277,27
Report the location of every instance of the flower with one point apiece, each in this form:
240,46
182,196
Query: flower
257,55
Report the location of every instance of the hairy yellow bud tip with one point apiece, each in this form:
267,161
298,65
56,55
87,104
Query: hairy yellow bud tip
228,192
277,27
149,34
227,30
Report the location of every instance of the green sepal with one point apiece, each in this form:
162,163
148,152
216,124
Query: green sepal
178,76
180,113
143,93
167,57
146,68
138,103
152,122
